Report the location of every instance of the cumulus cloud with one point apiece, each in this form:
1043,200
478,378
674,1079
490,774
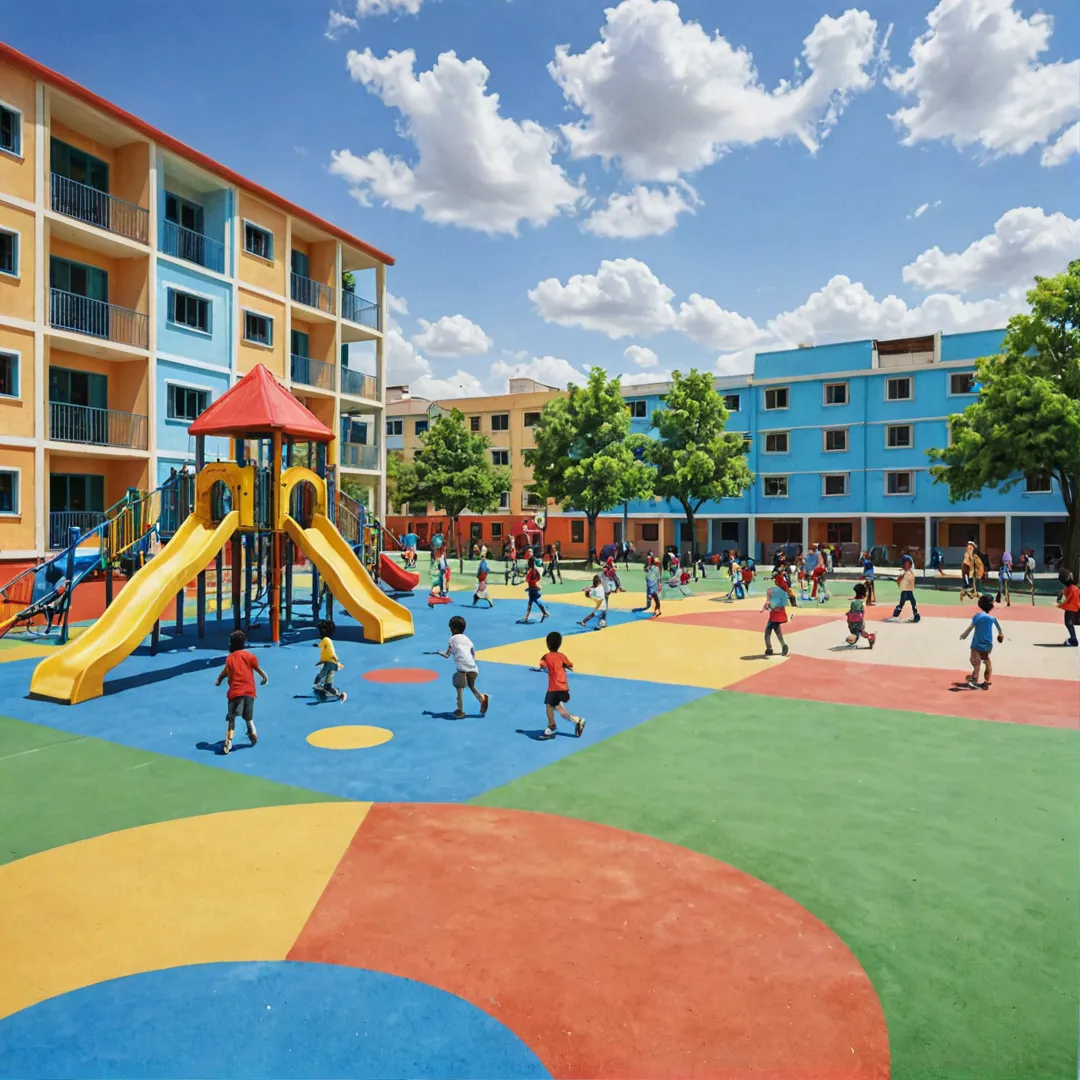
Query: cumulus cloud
922,208
644,211
550,370
1067,146
975,79
644,378
337,23
641,356
388,7
704,321
452,335
1025,242
663,97
397,304
473,167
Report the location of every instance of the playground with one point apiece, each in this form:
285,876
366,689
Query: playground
835,863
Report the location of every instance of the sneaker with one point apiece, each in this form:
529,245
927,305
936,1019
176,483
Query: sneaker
579,726
227,748
547,733
872,639
1072,643
484,705
252,734
545,615
344,697
917,618
984,686
459,715
768,652
582,622
972,683
785,650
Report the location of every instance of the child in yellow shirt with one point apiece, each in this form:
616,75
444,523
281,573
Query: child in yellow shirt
328,663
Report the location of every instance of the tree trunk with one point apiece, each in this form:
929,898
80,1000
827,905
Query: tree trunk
690,529
457,541
590,539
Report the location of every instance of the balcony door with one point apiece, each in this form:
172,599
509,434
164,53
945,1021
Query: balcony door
300,264
80,296
76,500
83,169
187,216
77,406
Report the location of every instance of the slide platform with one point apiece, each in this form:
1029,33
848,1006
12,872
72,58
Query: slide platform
398,578
77,671
382,618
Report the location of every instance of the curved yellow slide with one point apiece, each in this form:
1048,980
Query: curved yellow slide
382,618
77,671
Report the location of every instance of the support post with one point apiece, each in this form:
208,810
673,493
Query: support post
108,583
276,538
288,578
155,638
928,544
236,559
1009,532
69,573
219,566
180,613
751,538
314,593
200,604
248,546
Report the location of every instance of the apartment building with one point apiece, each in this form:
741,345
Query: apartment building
139,280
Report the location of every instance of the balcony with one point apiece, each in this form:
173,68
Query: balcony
358,310
356,384
355,456
310,372
96,427
61,522
95,318
192,247
93,207
313,294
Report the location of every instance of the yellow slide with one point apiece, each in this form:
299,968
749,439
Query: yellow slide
382,618
77,671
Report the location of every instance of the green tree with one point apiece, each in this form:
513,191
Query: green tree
1027,415
454,473
696,460
584,454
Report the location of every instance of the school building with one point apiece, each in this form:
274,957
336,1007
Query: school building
139,280
837,439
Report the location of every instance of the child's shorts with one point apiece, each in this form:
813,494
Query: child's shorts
556,697
244,707
463,679
534,596
982,654
856,628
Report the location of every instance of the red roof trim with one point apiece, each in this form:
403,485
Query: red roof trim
68,86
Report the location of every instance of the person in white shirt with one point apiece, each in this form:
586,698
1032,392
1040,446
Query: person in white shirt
465,669
599,596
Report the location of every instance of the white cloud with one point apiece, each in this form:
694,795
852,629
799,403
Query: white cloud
1067,146
644,378
623,298
397,304
706,322
740,362
922,208
643,212
663,97
975,78
452,335
387,7
642,356
406,366
551,370
474,167
1025,242
337,23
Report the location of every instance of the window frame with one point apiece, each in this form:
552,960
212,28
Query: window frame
421,426
766,477
961,393
890,379
1029,490
826,432
826,403
500,417
774,435
826,494
776,390
246,224
899,494
527,503
15,355
504,500
638,408
474,423
16,151
738,402
909,445
525,419
172,385
16,492
16,251
171,293
500,452
577,526
400,423
245,312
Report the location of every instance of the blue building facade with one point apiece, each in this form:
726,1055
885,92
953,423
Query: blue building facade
839,436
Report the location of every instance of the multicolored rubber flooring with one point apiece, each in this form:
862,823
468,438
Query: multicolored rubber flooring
836,864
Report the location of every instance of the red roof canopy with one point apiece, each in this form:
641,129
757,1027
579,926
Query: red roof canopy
258,403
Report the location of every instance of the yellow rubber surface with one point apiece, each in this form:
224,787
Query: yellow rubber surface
350,737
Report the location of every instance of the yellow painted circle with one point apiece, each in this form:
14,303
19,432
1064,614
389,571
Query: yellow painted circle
349,737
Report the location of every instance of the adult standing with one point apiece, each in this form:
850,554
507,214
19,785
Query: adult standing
624,552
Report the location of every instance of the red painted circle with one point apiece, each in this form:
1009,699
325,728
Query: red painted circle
609,953
401,675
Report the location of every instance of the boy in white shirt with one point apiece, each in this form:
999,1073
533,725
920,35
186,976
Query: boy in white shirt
598,594
466,671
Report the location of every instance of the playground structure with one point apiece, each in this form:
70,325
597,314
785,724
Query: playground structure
264,508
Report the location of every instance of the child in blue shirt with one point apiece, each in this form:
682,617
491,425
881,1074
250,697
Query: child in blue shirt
983,624
868,577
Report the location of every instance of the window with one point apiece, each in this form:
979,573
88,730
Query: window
787,532
474,423
1037,483
531,501
776,398
73,387
835,440
185,402
258,241
898,389
898,436
776,442
421,427
836,393
9,375
838,532
9,491
732,402
577,531
962,382
10,130
775,487
504,501
500,457
496,530
395,427
834,484
258,329
899,483
637,409
650,534
190,311
960,534
532,419
500,422
9,253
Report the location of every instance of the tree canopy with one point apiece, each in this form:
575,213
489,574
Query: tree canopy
1026,419
584,457
696,460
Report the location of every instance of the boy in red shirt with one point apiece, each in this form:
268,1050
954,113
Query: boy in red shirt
1069,602
532,585
238,669
558,691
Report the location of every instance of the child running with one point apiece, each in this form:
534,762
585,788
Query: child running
328,663
868,577
241,697
1005,573
481,583
556,664
652,585
856,618
776,599
465,669
983,623
906,580
598,594
532,586
1069,602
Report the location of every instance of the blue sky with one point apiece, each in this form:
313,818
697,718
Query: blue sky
784,242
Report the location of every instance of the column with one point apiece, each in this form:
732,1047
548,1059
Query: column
41,319
928,543
751,537
806,532
1008,532
863,533
380,375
